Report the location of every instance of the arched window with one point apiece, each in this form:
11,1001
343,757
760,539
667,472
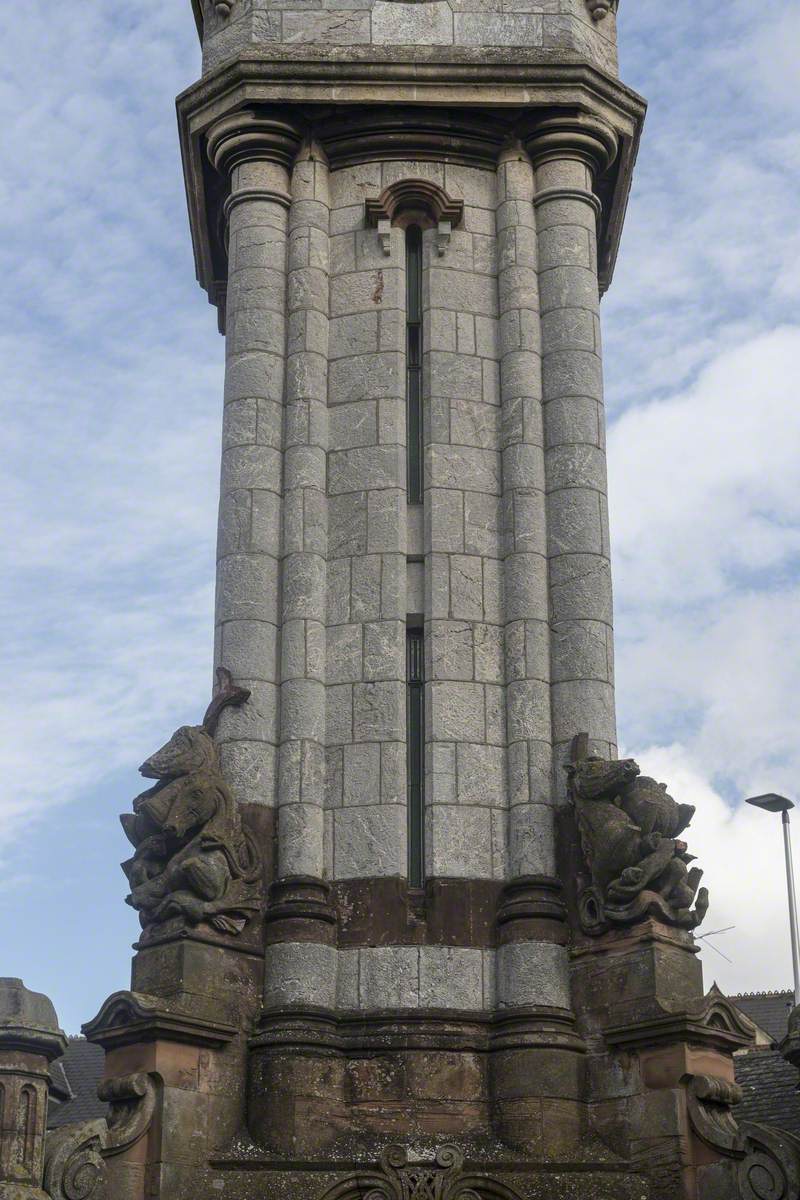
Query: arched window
415,748
25,1125
414,205
414,414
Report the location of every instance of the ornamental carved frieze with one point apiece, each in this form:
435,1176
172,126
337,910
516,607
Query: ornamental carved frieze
193,861
630,827
399,1177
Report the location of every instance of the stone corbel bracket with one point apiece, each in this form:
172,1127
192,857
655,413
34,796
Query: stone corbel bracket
417,196
601,8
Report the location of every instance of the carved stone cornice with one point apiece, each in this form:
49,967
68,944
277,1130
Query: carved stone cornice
132,1017
713,1022
440,85
249,134
576,136
414,193
395,1029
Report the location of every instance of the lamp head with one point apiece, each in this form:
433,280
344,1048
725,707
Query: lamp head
771,802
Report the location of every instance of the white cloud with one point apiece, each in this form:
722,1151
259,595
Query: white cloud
741,852
706,521
704,484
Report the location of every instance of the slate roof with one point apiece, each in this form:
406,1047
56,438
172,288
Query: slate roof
769,1010
75,1076
769,1082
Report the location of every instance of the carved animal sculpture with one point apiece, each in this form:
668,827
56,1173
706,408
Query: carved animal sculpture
192,858
629,826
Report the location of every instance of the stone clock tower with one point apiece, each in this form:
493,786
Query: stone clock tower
410,931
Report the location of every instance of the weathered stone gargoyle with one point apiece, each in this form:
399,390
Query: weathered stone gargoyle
193,860
629,829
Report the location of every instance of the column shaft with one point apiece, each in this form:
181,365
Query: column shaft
527,654
305,525
251,482
581,650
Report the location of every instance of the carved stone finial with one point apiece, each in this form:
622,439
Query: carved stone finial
193,862
223,8
630,830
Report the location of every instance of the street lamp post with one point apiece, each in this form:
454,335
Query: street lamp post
771,802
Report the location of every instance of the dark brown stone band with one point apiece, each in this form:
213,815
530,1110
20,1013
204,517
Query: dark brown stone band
384,911
421,1029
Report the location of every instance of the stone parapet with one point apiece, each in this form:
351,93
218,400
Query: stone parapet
570,27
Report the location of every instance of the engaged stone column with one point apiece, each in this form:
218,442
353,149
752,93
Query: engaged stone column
29,1041
301,787
567,154
254,151
525,565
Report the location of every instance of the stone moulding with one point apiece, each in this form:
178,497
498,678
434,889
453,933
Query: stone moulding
403,1029
715,1023
130,1017
414,196
600,8
436,82
398,1177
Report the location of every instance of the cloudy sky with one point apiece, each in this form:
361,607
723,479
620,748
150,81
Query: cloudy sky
111,396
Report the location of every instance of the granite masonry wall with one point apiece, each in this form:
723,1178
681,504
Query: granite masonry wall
557,26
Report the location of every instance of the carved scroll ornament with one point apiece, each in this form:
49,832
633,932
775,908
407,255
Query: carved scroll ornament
75,1155
759,1162
193,861
630,830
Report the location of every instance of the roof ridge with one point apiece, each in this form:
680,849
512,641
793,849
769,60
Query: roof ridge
744,995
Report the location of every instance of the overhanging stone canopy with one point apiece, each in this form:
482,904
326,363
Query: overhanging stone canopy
503,92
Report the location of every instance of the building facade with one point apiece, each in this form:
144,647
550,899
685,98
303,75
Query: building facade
409,928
